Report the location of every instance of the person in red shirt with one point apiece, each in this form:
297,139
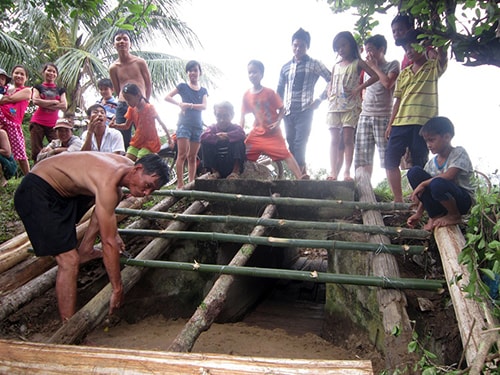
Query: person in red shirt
268,110
50,99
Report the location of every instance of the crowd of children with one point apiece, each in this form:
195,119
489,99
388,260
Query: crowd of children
371,103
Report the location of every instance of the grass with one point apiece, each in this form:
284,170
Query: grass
10,225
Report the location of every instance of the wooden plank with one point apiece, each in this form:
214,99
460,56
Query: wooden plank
473,319
392,302
37,358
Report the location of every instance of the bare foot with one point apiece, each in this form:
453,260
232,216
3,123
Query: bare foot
429,225
95,253
447,220
331,178
348,178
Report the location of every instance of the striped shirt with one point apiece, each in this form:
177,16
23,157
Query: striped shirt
297,81
418,94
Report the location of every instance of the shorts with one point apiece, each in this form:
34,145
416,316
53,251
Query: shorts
9,166
403,137
348,119
121,110
189,131
271,144
49,218
138,152
370,132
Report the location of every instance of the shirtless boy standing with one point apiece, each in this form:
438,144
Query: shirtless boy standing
53,197
127,69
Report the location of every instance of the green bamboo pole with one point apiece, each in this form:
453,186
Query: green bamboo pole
276,241
280,223
285,201
316,277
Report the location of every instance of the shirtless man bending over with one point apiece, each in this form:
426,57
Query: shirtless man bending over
127,69
53,197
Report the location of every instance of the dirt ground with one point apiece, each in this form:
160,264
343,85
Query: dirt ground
156,333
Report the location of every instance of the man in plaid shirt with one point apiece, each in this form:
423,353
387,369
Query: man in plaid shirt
296,84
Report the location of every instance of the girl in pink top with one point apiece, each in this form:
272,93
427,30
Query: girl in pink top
12,108
50,99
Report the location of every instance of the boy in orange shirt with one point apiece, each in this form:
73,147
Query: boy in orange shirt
268,110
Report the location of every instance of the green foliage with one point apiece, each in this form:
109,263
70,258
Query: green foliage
78,37
383,190
470,27
8,215
425,365
481,254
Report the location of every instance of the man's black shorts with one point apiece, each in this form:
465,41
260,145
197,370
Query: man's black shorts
49,218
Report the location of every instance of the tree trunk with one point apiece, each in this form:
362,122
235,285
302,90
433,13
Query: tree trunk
213,303
87,318
29,291
23,272
392,303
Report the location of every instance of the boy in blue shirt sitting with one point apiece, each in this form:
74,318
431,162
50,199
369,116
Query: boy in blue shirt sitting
443,187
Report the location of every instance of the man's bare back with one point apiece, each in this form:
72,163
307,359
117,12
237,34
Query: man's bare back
84,173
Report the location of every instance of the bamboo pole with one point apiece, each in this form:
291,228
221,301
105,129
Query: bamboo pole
392,303
285,201
277,242
280,223
213,303
283,274
94,312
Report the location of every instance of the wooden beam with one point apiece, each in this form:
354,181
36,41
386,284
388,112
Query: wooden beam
392,303
474,318
36,358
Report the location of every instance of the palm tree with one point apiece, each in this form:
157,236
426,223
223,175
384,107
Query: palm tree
82,45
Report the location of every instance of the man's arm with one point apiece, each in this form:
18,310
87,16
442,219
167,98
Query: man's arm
146,76
395,110
106,202
113,75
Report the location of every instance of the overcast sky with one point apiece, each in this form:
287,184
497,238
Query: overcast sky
234,32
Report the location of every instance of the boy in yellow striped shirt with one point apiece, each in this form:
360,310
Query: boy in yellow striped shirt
416,102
